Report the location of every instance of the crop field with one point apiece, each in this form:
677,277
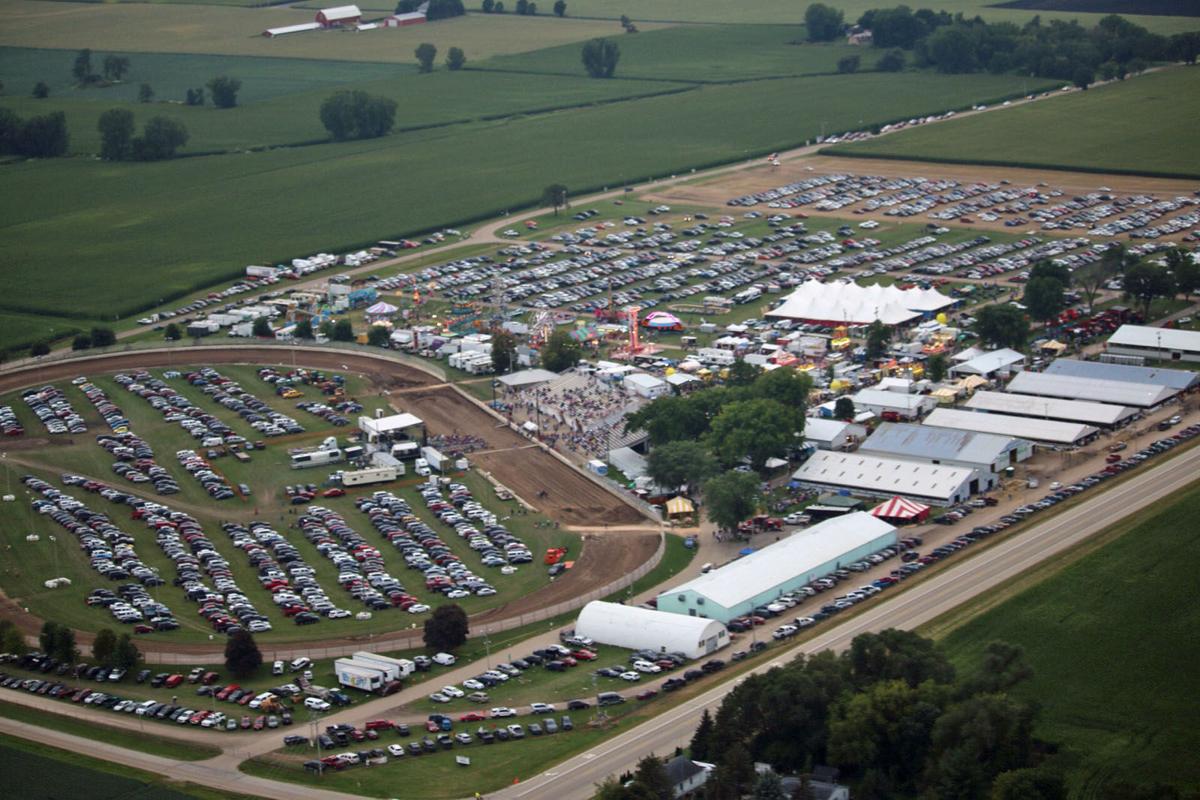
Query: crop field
700,53
224,30
1113,639
278,204
29,563
1141,125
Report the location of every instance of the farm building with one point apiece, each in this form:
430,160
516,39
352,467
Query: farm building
1069,387
985,454
1102,415
903,406
850,304
1041,431
874,476
404,20
1163,344
991,364
637,628
1179,379
738,587
831,434
271,33
340,16
390,427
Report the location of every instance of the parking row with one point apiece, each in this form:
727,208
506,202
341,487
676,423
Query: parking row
56,413
282,571
135,461
175,407
256,412
9,424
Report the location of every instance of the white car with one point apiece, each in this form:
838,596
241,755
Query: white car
316,704
453,691
438,697
647,667
445,659
395,750
541,708
418,608
631,676
474,685
797,518
502,711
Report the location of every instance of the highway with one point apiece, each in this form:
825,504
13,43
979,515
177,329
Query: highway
575,778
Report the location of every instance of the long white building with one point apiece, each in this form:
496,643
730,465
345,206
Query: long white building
876,476
1044,431
643,629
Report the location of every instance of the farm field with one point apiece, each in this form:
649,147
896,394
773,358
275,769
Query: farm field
700,53
123,214
224,30
1112,638
1141,125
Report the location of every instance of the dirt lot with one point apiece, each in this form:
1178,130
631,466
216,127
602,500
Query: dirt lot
719,190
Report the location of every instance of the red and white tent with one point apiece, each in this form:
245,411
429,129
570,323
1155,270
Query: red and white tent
901,510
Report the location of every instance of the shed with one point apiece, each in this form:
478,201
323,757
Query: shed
831,434
1044,431
991,364
883,477
1180,379
1070,387
986,455
647,386
637,628
906,406
404,20
1165,344
339,16
1104,415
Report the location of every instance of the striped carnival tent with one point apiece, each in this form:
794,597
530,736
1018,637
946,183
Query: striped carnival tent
901,511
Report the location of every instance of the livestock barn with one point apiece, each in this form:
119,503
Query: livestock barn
643,629
339,16
404,20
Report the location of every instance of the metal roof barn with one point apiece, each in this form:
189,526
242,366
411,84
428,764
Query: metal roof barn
1168,344
939,484
1036,430
1027,405
1069,387
760,577
1180,379
637,628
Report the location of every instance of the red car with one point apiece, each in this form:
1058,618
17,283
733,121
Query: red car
472,716
334,493
584,655
648,694
173,681
379,725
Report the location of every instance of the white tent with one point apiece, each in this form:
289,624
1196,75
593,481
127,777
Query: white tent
381,309
853,304
641,628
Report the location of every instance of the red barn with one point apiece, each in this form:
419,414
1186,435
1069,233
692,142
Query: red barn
337,17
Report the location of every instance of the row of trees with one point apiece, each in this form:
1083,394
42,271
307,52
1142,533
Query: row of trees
427,53
357,115
436,9
113,69
1113,47
58,642
99,337
890,713
161,137
522,7
43,136
113,651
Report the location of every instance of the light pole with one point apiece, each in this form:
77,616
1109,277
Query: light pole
487,643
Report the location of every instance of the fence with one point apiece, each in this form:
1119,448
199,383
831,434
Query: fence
411,639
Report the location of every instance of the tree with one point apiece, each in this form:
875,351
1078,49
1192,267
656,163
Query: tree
160,138
357,115
115,67
1003,666
734,775
116,134
58,642
242,657
504,351
40,90
891,61
10,130
849,64
1145,283
555,195
224,91
82,68
262,328
701,747
1083,77
103,647
677,463
145,93
1185,47
304,330
560,8
447,628
522,7
844,408
378,336
1028,784
768,787
878,338
1090,278
651,775
194,97
455,58
81,342
560,352
670,418
1048,269
1044,298
731,497
804,790
976,740
1002,325
435,9
44,136
326,329
172,333
758,428
343,331
600,57
12,640
488,6
425,53
787,386
126,655
824,24
742,373
935,368
46,636
1184,271
39,349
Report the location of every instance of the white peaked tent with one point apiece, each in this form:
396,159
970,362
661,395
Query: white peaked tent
858,305
381,309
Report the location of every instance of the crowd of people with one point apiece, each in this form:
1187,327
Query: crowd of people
584,415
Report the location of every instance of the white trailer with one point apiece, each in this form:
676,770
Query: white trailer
362,477
358,675
405,451
715,355
396,668
316,458
261,272
436,459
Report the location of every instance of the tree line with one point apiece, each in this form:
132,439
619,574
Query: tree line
43,136
57,641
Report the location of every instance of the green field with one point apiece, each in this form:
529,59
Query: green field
273,205
700,53
1142,125
1113,639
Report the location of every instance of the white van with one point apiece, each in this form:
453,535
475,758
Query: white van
421,466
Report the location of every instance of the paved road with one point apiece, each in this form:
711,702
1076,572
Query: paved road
576,778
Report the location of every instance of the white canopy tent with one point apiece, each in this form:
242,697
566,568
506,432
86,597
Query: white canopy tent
853,304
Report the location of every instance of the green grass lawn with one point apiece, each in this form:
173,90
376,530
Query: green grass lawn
121,214
1139,125
700,53
132,740
1113,638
